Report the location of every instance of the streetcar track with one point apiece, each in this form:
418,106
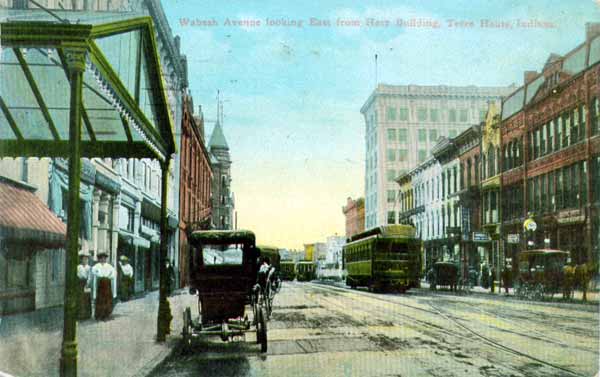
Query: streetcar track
540,336
436,310
503,347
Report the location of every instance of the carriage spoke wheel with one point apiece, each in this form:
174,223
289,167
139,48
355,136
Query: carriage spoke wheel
261,333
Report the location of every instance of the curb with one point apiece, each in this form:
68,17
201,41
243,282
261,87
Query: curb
156,360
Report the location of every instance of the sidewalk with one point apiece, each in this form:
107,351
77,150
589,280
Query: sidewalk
121,347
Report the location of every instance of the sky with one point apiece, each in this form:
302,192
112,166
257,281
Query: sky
293,78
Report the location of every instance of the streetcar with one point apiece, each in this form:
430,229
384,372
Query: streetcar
385,257
288,270
223,274
305,271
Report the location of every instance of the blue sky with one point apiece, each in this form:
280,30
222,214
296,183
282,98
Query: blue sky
293,94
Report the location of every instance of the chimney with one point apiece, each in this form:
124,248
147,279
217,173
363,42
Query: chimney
529,76
592,29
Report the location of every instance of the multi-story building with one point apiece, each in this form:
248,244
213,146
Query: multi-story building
354,211
550,155
403,123
440,197
491,176
467,145
222,197
420,203
449,184
196,176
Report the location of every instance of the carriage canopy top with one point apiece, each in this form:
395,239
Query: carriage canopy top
214,237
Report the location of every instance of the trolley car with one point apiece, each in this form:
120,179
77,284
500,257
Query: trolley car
288,270
386,257
305,271
223,272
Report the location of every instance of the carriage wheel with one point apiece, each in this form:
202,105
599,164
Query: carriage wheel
261,333
187,327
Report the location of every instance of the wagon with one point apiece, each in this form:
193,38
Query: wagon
223,271
540,273
443,274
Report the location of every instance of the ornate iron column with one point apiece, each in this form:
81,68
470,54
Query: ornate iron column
164,309
68,361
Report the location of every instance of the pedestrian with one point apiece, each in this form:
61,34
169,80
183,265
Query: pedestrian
104,287
126,279
506,278
170,277
85,299
492,279
485,276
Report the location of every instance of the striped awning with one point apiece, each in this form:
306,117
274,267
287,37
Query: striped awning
26,219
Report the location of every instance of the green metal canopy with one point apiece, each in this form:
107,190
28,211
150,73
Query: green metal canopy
124,108
75,90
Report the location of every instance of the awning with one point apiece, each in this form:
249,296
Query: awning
24,218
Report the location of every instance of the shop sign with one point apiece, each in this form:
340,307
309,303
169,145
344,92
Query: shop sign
513,238
480,237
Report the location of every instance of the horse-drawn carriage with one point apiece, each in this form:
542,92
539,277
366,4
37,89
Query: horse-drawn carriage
540,273
223,273
443,274
270,283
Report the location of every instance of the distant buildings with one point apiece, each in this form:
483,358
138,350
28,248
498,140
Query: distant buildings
402,125
354,211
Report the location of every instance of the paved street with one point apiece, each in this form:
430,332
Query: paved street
320,330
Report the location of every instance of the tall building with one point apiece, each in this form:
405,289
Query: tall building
403,123
222,197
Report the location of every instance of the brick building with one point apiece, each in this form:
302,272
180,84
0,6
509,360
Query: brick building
551,154
354,211
468,149
195,182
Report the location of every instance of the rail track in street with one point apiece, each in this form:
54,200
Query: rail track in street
433,309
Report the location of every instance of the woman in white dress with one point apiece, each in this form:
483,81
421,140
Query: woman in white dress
104,288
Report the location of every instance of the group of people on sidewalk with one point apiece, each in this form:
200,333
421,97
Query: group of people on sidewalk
98,285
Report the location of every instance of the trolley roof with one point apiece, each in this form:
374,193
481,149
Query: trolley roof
398,230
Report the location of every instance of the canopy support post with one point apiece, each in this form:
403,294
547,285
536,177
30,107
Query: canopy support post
164,308
68,359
